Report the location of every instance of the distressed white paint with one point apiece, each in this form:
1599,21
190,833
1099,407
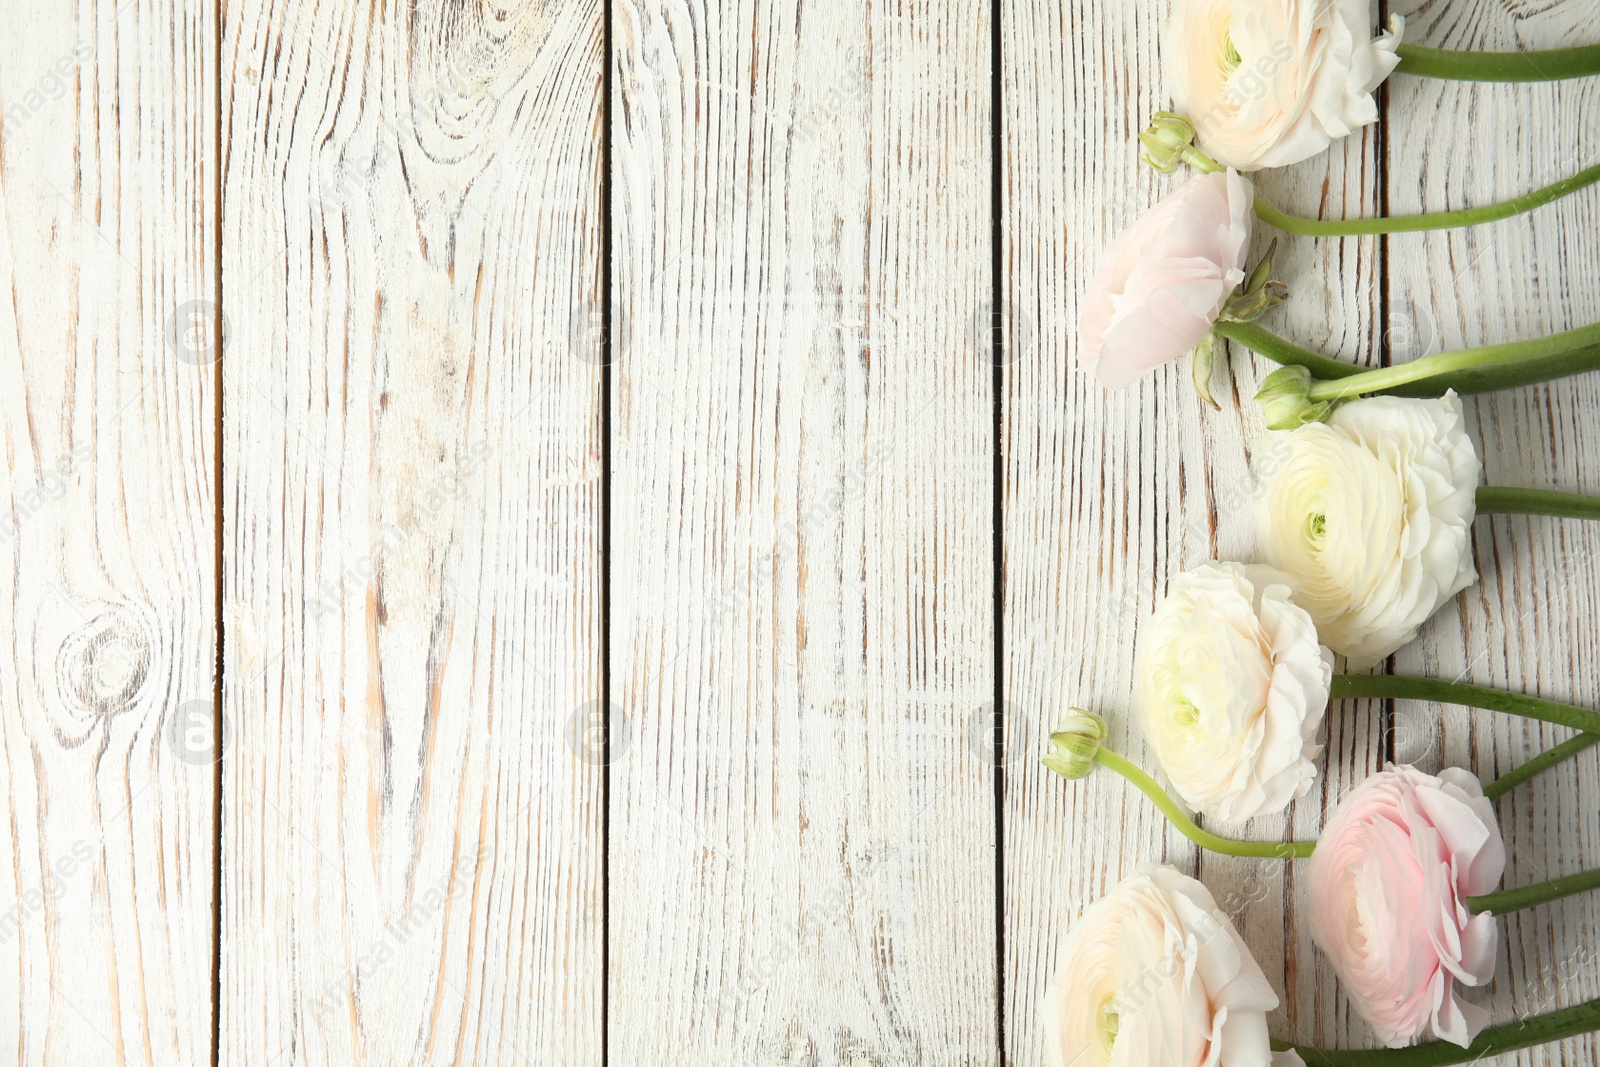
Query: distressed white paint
802,816
802,864
411,814
107,593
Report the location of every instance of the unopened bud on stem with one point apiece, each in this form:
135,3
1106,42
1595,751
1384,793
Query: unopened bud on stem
1165,140
1285,399
1074,744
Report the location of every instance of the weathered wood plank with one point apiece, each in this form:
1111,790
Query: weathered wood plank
802,830
1110,494
412,809
1533,621
108,382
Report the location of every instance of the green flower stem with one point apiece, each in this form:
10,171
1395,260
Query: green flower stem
1407,687
1441,364
1503,901
1538,764
1185,825
1510,375
1415,370
1504,366
1429,220
1200,161
1286,352
1268,213
1552,65
1536,1030
1504,500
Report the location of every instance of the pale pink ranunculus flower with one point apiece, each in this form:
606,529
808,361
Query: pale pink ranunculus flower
1163,282
1390,879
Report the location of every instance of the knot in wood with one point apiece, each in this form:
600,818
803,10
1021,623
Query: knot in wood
102,666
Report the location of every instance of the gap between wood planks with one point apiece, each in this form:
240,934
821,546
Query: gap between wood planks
607,368
219,500
997,480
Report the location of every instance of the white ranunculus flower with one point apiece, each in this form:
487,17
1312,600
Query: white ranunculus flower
1268,83
1371,515
1154,975
1231,687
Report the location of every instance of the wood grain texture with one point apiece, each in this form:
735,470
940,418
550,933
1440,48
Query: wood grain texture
412,799
802,830
107,230
1533,620
1108,495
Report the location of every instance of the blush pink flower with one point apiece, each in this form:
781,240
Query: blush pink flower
1390,879
1164,281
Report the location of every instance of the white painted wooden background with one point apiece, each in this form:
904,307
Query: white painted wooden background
304,359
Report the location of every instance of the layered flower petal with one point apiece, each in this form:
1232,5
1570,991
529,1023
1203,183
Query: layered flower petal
1370,515
1268,83
1389,880
1154,975
1163,282
1231,687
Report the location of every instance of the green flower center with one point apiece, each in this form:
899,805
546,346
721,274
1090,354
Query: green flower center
1317,529
1230,55
1106,1023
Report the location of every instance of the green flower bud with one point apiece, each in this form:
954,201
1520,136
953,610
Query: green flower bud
1285,399
1165,141
1073,746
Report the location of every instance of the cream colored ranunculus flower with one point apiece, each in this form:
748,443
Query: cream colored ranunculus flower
1371,516
1154,975
1268,83
1231,687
